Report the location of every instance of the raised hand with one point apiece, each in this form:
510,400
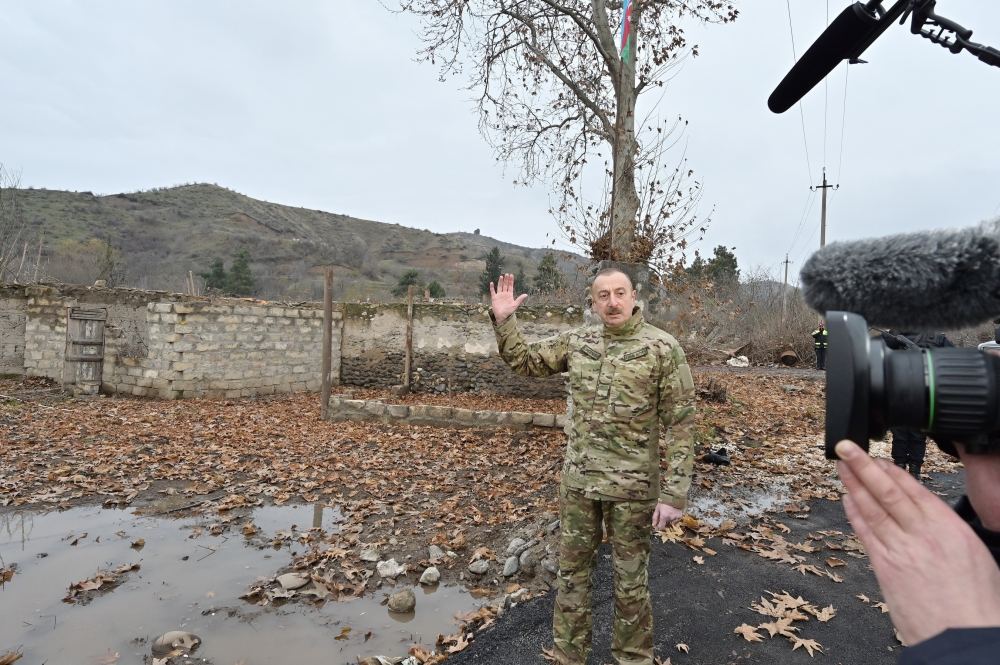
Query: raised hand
502,298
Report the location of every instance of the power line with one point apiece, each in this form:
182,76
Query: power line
802,116
807,249
826,93
843,123
810,199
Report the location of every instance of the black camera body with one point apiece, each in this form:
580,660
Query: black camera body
951,394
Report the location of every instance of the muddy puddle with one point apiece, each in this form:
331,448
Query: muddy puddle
188,580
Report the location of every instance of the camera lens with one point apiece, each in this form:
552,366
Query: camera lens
946,392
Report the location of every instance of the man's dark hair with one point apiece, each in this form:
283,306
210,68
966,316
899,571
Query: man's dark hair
611,271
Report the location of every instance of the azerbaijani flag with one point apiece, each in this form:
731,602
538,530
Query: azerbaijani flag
626,46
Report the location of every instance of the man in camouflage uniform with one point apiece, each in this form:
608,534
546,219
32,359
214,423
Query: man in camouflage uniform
630,411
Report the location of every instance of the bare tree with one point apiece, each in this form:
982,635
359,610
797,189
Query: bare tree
555,94
13,244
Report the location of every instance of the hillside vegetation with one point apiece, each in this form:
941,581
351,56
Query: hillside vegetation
160,235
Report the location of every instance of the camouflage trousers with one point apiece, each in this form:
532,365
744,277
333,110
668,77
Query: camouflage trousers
628,525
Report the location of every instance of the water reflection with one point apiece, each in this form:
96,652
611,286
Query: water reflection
272,519
178,587
20,524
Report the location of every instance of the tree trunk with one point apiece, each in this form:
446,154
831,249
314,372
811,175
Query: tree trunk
624,198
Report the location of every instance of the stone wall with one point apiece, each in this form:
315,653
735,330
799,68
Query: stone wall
13,315
126,333
341,408
171,345
230,349
454,347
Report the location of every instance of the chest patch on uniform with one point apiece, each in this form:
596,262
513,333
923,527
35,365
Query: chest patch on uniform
632,355
591,353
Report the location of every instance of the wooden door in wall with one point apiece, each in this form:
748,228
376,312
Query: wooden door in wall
84,359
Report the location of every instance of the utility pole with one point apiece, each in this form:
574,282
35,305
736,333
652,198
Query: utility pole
784,291
822,224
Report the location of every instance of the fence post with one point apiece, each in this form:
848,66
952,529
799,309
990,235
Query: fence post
327,341
408,358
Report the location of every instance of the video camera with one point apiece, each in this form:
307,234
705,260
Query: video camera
931,280
952,394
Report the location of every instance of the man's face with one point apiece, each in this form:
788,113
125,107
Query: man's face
614,298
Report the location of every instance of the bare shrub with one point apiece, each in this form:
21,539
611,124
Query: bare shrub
758,317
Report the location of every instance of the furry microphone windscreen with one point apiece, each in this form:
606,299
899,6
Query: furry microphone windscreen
935,280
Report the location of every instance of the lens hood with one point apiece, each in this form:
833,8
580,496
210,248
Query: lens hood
847,381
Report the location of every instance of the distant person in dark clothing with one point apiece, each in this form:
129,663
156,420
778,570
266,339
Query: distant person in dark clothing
996,331
910,445
820,343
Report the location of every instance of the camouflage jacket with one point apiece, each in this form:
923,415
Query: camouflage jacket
630,406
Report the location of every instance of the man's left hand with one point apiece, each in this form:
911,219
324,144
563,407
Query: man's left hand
665,515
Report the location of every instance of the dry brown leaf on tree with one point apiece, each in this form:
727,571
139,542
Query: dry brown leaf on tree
749,633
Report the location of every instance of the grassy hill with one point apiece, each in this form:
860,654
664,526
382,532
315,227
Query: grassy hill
162,234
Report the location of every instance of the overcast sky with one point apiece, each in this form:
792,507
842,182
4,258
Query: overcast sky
321,104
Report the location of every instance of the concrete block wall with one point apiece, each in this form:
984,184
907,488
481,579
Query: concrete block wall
45,331
168,345
228,349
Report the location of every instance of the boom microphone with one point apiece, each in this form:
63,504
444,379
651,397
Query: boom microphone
934,280
846,37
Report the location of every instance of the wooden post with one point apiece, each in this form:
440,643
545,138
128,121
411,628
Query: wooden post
327,341
408,358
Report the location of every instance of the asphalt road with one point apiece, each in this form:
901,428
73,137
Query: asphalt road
700,605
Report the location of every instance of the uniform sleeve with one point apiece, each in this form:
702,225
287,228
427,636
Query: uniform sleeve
676,412
955,646
542,358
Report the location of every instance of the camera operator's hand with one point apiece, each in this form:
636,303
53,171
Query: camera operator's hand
933,570
982,485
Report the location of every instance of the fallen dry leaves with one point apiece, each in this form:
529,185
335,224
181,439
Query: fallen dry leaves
103,581
785,610
460,489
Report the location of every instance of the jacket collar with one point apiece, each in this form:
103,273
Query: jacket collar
628,328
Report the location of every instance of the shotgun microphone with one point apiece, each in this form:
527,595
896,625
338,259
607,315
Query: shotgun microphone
846,37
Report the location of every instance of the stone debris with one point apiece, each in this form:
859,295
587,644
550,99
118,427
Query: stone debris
430,576
290,581
390,569
402,601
